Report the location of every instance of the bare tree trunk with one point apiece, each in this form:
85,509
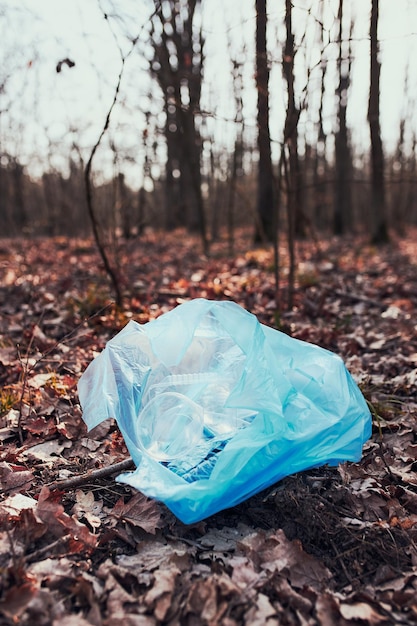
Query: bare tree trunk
379,225
411,198
343,206
266,223
291,131
292,172
146,176
178,66
320,212
18,178
237,157
397,184
174,176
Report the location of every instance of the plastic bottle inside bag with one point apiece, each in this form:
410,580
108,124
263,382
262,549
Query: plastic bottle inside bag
169,426
184,414
183,431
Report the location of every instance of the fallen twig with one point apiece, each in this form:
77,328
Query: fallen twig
102,472
359,298
340,561
47,550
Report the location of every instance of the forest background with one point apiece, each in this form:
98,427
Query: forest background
310,126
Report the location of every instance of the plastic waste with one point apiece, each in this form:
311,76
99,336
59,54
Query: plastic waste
214,406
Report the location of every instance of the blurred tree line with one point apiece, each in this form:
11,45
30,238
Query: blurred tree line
311,178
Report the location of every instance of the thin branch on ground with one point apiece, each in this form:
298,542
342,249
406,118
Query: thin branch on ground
98,474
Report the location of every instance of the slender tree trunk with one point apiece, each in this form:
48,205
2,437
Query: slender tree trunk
265,227
379,225
174,175
214,195
140,220
291,131
18,178
237,157
292,172
342,208
320,153
411,201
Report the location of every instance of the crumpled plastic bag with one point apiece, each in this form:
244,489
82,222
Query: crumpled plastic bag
214,406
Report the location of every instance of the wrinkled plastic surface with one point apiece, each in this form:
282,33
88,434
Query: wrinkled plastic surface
214,406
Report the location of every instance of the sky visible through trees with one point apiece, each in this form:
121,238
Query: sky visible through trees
45,113
166,95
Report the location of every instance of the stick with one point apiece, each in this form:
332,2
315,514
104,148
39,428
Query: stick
46,550
359,298
102,472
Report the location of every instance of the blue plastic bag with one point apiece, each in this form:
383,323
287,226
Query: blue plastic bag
214,406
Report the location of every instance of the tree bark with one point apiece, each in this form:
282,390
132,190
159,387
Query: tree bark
295,193
379,224
320,164
265,227
178,66
342,209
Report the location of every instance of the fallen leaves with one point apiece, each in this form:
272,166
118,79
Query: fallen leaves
330,546
273,552
51,512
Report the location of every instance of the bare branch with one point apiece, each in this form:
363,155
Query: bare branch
102,472
111,272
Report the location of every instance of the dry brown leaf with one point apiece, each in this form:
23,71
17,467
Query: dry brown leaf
7,356
139,511
46,452
274,552
159,597
86,507
244,573
263,614
302,601
17,598
210,598
52,570
154,554
202,600
361,611
51,512
130,619
224,539
70,424
13,477
328,609
123,608
39,380
14,505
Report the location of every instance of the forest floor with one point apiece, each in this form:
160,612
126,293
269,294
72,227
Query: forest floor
326,546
